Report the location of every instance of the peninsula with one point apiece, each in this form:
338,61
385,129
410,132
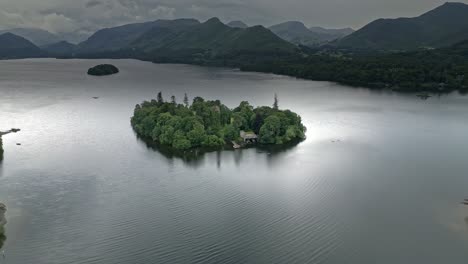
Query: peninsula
13,130
212,125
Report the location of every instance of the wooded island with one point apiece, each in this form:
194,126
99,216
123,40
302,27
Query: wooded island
103,69
211,124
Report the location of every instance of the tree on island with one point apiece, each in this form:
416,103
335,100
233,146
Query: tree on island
275,103
211,124
186,100
160,98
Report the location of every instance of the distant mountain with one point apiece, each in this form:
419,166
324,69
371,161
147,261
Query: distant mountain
237,24
60,49
333,33
441,27
210,39
461,46
117,38
297,33
16,47
37,36
74,37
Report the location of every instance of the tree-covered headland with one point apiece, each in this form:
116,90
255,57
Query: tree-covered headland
440,70
211,124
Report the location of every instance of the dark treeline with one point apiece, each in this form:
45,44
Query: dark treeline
441,70
211,124
422,71
438,70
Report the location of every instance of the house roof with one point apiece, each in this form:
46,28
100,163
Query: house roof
248,135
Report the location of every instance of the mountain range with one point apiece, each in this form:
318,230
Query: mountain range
16,47
425,53
42,37
214,36
444,26
61,49
117,38
333,33
237,24
161,38
441,27
37,36
297,33
182,40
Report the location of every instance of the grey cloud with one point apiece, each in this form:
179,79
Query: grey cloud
92,3
90,15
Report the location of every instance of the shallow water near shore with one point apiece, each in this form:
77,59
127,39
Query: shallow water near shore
379,178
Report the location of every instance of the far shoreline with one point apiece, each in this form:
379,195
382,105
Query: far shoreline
237,69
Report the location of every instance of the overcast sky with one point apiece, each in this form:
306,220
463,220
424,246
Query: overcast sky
89,15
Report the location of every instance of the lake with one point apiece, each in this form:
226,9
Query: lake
379,179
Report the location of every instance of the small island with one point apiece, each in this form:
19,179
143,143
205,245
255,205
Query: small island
103,69
212,125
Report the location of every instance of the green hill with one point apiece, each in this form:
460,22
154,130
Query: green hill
37,36
210,40
439,70
297,33
333,33
16,47
181,41
62,48
441,27
117,38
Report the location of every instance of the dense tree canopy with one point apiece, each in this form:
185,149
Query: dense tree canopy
211,124
439,70
442,70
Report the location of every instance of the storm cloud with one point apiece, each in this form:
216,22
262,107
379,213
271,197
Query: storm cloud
87,16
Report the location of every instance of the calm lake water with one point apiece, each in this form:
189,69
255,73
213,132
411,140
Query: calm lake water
379,179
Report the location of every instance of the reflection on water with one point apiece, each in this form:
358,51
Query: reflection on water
196,157
2,224
378,179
